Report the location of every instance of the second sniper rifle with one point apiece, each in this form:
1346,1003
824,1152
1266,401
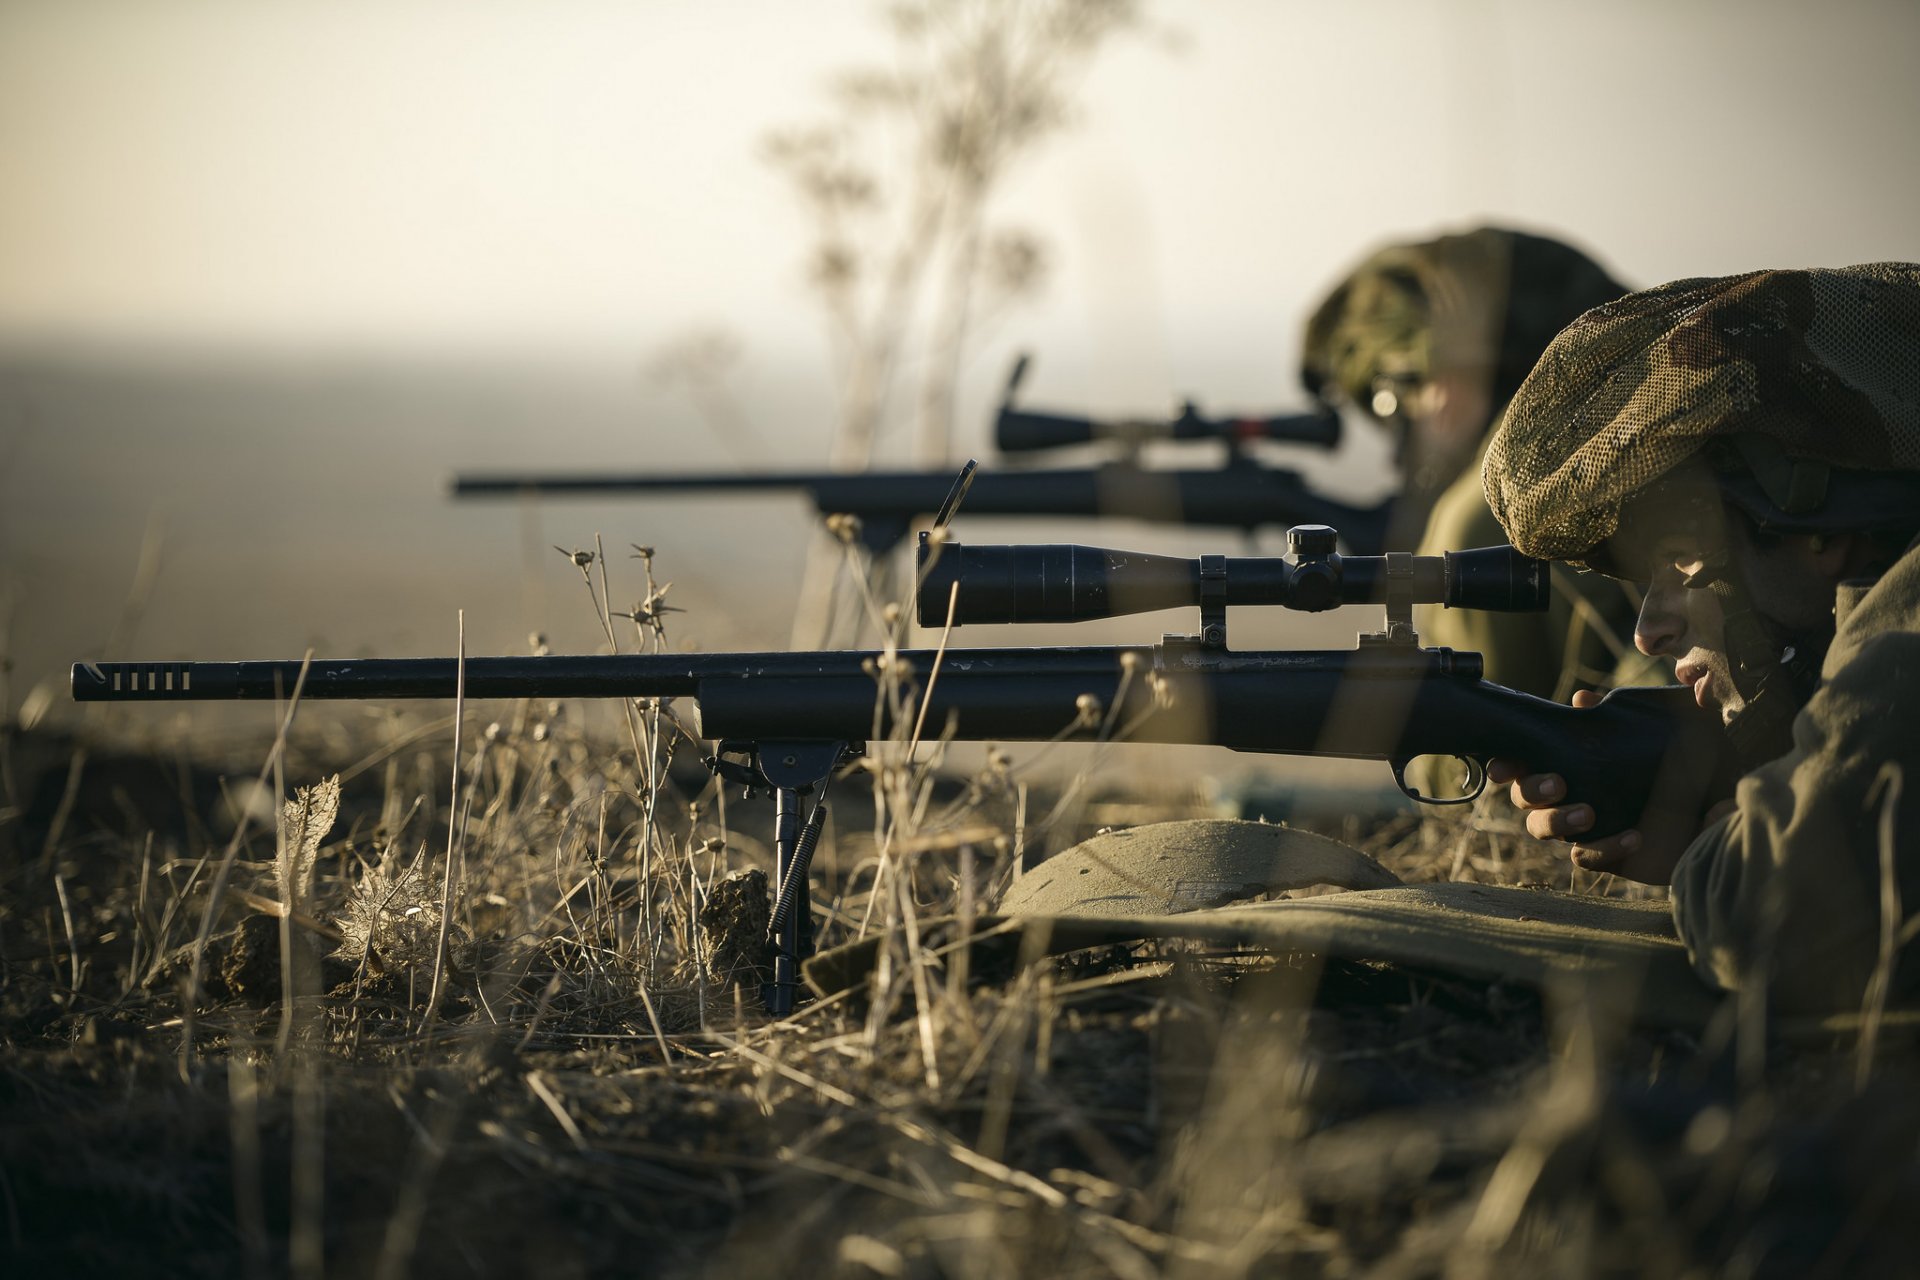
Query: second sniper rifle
788,722
1242,493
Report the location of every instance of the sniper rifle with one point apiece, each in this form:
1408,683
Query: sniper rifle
786,722
1241,493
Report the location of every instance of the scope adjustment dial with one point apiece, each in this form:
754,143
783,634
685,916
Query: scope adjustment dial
1311,541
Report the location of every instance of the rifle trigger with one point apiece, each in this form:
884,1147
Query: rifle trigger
1476,778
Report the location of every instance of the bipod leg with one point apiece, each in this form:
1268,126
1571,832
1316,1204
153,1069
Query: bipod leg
794,771
791,891
785,933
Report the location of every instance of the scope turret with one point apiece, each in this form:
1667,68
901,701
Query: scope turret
1067,583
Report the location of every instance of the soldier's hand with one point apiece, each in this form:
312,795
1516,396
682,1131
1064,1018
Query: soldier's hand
1647,853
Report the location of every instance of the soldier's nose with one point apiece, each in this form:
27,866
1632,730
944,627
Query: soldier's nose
1658,630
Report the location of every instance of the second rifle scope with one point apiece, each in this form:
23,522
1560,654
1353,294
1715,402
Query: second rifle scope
1066,583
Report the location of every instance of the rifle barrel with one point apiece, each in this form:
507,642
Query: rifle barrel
1240,496
557,676
508,483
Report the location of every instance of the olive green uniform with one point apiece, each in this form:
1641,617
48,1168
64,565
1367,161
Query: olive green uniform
1584,639
1793,878
1794,397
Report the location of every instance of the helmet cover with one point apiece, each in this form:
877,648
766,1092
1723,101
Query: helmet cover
1480,304
1821,365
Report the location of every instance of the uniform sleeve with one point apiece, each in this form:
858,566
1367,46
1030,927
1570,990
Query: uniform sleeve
1789,886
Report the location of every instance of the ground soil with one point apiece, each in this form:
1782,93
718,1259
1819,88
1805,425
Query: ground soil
584,1098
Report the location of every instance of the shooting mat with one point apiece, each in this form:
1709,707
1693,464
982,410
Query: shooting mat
1128,886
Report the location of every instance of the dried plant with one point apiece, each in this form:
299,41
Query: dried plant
899,180
390,921
305,821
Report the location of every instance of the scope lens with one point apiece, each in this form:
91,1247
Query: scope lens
1497,578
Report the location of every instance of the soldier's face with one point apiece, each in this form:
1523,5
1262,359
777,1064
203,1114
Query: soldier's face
1444,417
1790,581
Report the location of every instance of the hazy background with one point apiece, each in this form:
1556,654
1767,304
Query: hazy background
269,274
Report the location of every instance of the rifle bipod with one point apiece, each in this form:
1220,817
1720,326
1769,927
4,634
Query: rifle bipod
791,771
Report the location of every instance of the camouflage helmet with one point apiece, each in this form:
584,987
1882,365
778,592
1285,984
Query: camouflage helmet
1794,394
1483,303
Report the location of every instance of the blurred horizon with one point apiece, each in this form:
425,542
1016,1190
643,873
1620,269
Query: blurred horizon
434,179
269,276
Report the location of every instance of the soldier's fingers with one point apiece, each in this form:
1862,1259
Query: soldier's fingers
1539,790
1559,824
1500,772
1611,854
1586,698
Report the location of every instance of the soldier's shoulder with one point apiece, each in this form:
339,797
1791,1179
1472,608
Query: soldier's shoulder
1865,610
1461,518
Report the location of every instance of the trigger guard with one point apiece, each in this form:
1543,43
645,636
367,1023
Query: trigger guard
1476,782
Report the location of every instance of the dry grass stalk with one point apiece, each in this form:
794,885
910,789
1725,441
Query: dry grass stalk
1153,1110
453,835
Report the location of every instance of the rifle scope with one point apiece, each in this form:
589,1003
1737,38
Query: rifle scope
1020,431
1066,583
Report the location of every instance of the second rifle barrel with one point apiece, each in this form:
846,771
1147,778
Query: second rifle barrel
1234,497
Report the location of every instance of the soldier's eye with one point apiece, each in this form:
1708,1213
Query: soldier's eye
1697,571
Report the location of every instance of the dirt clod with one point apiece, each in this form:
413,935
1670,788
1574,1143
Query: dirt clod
734,923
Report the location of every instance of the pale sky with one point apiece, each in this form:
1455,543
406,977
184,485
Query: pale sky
578,175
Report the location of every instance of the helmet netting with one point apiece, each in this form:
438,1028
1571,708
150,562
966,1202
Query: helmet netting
1826,363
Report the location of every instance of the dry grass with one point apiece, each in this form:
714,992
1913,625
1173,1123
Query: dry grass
595,1091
